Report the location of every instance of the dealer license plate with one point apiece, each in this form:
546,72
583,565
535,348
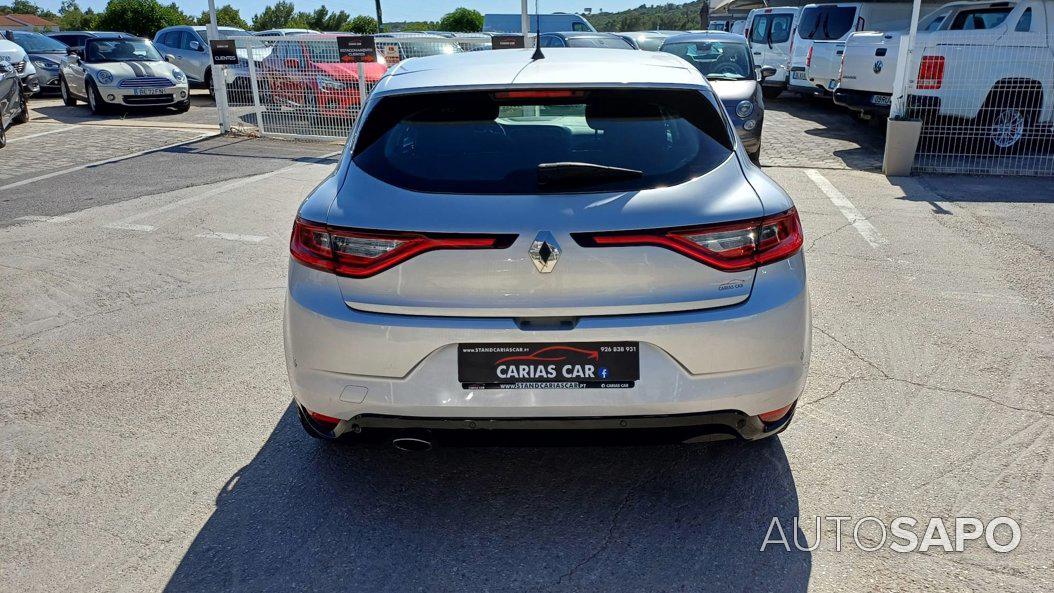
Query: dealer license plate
558,365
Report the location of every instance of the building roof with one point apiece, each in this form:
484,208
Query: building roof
24,20
561,66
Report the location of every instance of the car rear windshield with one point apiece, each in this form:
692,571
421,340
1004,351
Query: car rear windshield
598,41
825,23
522,143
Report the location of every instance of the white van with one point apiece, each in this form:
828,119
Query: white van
549,23
769,32
819,40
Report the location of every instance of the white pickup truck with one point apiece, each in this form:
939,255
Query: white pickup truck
982,69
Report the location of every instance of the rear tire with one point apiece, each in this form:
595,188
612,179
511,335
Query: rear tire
1006,119
209,83
771,92
67,97
755,157
23,114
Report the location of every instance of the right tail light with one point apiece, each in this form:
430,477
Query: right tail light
730,247
931,72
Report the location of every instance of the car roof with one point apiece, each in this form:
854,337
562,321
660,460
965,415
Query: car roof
707,36
561,66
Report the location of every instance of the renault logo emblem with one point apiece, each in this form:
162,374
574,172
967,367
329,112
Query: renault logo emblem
545,251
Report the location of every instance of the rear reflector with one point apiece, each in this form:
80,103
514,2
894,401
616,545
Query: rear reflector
931,72
360,254
326,421
774,415
730,247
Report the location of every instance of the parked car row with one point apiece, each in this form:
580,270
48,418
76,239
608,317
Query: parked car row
14,108
979,68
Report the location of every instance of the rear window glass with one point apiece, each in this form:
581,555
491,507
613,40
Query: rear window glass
599,140
605,42
826,22
771,28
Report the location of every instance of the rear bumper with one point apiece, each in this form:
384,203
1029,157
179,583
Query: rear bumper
863,101
748,358
630,430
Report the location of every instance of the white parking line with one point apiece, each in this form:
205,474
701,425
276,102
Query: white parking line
39,134
130,227
232,237
103,162
854,216
43,218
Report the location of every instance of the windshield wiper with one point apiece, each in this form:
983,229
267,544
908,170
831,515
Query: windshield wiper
571,173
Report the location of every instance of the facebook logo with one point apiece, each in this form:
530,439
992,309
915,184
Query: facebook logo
603,371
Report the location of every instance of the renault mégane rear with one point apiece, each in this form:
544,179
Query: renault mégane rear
568,247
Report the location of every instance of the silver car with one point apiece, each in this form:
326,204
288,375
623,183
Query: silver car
573,246
189,47
121,72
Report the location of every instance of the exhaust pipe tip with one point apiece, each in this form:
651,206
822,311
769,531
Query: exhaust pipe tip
411,444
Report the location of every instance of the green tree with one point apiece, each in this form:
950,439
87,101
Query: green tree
20,7
139,17
175,15
72,18
276,16
363,25
464,20
226,16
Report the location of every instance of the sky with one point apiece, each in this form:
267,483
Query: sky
394,10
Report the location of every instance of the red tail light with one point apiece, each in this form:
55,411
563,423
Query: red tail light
360,254
931,72
728,247
808,58
540,94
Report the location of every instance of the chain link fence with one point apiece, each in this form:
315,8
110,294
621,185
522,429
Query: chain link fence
296,86
983,86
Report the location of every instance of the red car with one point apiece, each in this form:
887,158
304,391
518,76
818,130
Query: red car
308,74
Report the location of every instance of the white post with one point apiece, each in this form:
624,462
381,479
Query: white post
525,22
255,85
362,89
905,61
218,82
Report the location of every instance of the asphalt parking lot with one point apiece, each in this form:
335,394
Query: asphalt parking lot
147,441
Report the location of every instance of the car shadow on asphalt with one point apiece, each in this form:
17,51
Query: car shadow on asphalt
308,516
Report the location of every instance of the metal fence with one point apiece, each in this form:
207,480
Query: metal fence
984,91
296,86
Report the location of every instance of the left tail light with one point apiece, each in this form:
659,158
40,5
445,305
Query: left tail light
360,254
728,247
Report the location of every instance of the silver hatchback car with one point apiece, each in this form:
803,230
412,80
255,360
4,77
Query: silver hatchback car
563,248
